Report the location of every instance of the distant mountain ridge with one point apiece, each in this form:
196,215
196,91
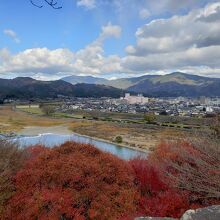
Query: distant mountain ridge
174,84
178,84
84,79
171,85
27,88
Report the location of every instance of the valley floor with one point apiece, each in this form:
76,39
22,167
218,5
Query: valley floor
140,136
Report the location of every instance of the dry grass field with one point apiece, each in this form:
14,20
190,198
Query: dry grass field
14,120
144,136
135,135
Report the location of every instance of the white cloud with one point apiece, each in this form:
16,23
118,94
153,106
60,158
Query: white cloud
156,7
92,59
144,13
88,4
111,31
40,62
37,60
179,42
188,43
10,33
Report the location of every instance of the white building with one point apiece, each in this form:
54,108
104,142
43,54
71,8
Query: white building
140,99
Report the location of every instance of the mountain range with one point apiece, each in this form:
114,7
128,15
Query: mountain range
170,85
28,88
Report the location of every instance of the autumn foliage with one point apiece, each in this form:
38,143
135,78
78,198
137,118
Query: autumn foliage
178,176
78,181
11,160
73,181
193,166
157,197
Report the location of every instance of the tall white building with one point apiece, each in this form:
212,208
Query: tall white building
139,99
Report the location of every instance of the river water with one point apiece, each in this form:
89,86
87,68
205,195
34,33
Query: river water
51,140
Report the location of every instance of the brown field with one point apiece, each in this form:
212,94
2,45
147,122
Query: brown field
135,135
13,120
142,136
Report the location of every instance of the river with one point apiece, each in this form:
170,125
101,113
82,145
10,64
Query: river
51,140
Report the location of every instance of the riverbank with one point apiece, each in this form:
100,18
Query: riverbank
64,130
142,137
37,130
110,142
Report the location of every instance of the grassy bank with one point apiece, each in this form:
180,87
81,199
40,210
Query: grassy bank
138,135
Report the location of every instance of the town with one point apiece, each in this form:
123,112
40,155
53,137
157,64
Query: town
180,106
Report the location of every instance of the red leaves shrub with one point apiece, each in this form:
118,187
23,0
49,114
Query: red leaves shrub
73,181
34,151
148,177
11,160
78,181
157,197
194,167
178,176
169,203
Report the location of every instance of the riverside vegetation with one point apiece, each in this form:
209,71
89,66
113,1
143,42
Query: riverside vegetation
135,130
78,181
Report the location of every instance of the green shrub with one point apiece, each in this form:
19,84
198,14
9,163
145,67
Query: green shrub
119,139
47,109
150,118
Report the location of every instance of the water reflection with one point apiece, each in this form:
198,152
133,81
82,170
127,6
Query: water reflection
51,140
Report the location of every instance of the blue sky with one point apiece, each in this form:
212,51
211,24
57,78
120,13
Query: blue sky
73,26
109,38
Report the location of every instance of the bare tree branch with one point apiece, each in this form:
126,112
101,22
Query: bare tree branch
51,3
195,168
38,6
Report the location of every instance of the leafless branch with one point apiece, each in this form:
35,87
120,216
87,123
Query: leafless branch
195,168
51,3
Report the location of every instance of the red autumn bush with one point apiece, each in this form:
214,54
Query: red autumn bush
194,166
73,181
178,176
148,177
78,181
158,198
169,203
11,160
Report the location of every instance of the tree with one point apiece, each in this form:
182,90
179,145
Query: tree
193,166
73,181
119,139
149,118
47,109
178,176
51,3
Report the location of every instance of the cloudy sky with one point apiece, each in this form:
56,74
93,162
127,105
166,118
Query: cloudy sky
109,38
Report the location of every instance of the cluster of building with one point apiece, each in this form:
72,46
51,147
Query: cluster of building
139,99
180,106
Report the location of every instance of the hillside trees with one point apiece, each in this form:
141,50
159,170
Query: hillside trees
73,181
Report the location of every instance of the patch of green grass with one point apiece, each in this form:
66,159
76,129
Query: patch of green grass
36,111
66,115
